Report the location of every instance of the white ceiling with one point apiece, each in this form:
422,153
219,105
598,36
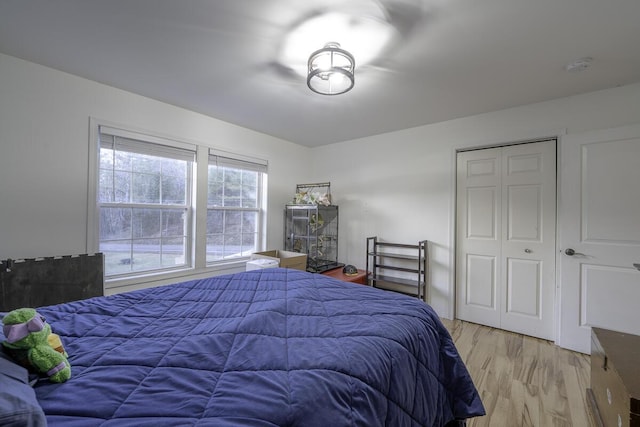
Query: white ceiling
452,58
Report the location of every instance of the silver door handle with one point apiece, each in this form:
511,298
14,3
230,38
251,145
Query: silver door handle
528,251
571,252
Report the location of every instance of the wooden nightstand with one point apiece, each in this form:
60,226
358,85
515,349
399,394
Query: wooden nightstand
360,278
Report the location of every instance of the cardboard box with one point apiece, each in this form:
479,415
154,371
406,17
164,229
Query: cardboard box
285,259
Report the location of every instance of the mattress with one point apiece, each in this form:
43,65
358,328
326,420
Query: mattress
268,347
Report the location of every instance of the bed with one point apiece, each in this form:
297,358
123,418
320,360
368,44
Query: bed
269,347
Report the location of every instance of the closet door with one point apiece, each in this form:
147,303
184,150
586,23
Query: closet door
505,257
478,236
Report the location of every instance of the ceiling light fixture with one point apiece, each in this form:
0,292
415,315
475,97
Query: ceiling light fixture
330,70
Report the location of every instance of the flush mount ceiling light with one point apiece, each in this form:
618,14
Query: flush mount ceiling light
361,26
330,70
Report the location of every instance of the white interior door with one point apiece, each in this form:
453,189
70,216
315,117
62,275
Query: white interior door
479,240
505,258
599,220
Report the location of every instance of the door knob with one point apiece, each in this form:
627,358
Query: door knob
528,251
571,252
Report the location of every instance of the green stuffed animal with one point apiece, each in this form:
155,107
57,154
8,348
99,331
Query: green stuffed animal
28,338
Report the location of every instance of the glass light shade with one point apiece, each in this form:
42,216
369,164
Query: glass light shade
362,25
330,70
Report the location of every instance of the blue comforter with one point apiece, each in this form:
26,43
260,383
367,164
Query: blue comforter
271,347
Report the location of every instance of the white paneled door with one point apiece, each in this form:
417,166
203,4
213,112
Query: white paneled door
599,234
505,237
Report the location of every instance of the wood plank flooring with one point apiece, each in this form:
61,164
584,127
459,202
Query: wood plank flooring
523,381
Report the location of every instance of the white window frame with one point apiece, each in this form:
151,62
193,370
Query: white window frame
229,160
197,249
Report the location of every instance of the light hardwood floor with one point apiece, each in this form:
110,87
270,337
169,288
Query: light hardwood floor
523,381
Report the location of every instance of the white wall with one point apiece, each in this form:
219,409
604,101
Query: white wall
400,186
44,151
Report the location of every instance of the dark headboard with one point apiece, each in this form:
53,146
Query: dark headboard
44,281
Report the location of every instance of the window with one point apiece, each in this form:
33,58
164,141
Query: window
147,204
144,200
233,207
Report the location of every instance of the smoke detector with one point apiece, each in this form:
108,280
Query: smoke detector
579,65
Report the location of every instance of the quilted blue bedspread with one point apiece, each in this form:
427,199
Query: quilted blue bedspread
271,347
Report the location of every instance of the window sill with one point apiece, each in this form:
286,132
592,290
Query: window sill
115,286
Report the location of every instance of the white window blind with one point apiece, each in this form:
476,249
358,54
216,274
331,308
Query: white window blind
116,139
223,159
